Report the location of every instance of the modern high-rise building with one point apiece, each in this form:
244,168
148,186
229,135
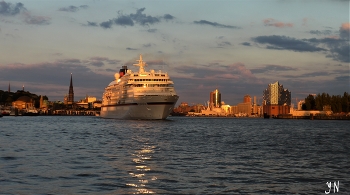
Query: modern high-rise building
275,94
215,99
277,100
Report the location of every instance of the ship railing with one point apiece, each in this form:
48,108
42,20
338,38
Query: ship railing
153,94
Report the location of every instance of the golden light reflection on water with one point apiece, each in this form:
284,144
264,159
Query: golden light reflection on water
141,168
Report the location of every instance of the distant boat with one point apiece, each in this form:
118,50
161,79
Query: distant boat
30,112
5,112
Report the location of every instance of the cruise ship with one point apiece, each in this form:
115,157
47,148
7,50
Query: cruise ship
139,95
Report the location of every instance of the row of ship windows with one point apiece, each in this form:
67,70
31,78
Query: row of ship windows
152,85
149,79
157,75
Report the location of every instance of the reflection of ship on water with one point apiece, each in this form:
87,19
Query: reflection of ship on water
141,157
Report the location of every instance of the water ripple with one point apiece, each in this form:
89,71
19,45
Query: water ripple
91,155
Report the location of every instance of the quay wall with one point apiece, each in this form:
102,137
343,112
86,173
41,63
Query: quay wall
70,112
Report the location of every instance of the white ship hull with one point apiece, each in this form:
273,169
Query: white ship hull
148,107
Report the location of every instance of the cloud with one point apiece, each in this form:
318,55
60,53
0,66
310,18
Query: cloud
341,53
52,78
224,44
305,21
100,61
91,23
147,45
212,71
345,31
286,43
124,21
324,32
156,62
168,17
272,68
72,8
315,74
338,46
84,6
343,79
106,24
97,63
151,30
246,44
205,22
129,48
8,9
110,70
38,20
273,22
69,61
138,18
143,19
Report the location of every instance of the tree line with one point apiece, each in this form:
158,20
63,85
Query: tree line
337,103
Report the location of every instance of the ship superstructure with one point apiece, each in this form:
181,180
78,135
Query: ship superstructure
139,95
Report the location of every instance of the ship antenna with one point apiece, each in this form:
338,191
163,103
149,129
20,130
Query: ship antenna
141,64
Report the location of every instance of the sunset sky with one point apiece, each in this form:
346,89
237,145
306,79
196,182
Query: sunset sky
236,46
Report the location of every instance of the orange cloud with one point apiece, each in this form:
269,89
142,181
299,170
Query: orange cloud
345,26
273,22
345,31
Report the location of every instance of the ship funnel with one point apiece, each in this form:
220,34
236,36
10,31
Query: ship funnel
123,70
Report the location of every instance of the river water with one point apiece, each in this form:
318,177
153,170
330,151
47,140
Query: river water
180,155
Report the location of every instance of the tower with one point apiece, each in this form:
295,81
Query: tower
41,101
70,99
247,99
215,99
9,89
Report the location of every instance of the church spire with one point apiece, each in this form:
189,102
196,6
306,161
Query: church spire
71,92
9,89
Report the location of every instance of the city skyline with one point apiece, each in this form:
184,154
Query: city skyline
238,47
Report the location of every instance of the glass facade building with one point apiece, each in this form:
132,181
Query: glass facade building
275,94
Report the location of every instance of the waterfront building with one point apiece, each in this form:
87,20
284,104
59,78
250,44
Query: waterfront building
215,99
277,100
244,108
275,94
23,102
87,102
90,99
247,99
234,109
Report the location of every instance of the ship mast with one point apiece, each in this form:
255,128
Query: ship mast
141,64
